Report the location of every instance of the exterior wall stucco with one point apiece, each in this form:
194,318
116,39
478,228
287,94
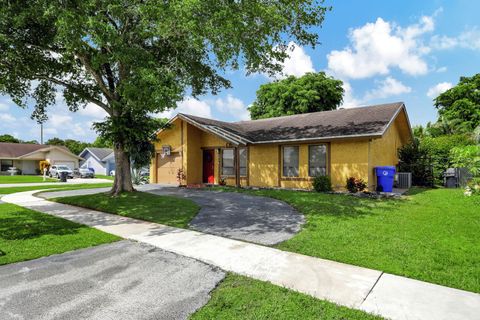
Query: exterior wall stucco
348,159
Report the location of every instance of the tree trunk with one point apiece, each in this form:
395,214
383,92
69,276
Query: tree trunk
123,175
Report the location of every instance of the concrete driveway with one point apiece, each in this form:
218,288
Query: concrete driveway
228,214
123,280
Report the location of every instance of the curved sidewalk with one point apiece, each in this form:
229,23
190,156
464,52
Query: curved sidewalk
370,290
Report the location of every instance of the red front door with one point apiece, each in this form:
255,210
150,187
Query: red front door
208,166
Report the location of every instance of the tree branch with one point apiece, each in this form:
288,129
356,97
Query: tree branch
79,91
98,77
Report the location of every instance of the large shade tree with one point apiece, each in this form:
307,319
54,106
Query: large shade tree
459,107
309,93
134,58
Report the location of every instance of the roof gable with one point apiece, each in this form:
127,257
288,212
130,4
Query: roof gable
98,153
369,121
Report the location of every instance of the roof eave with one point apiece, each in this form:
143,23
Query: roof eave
357,136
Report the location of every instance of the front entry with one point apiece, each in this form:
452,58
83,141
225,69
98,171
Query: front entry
208,166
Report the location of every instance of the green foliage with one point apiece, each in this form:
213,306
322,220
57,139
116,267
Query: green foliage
73,145
461,104
309,93
467,157
12,139
438,149
415,158
8,138
137,58
322,184
355,185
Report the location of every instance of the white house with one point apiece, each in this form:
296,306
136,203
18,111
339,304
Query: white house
26,157
101,160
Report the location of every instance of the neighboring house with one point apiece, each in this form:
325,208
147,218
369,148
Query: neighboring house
101,160
26,157
284,152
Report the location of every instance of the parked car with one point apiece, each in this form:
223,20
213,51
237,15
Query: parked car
55,171
83,173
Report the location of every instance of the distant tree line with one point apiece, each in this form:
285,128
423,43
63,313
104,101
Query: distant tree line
74,146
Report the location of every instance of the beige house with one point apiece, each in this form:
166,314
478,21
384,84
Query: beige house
26,157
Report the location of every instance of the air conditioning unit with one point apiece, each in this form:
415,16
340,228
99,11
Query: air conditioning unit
404,180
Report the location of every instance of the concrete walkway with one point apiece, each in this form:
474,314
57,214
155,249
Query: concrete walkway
233,215
369,290
59,184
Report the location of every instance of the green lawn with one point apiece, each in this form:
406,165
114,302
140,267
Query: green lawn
239,297
27,234
432,236
23,179
172,211
101,176
57,187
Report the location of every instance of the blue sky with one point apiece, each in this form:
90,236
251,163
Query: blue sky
384,51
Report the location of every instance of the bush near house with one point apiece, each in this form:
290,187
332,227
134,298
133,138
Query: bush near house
355,185
322,184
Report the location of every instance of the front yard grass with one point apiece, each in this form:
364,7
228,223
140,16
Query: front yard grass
57,187
433,235
171,211
26,234
24,179
239,297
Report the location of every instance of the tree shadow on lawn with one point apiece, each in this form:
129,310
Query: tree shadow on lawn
336,205
23,224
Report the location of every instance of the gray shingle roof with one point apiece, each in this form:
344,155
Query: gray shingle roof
15,150
361,121
100,153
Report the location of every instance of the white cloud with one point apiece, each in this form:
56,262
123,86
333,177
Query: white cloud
469,39
93,111
191,106
386,88
442,69
5,117
298,63
232,106
438,89
377,47
4,106
349,100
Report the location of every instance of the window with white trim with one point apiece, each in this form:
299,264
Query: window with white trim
317,160
290,161
228,161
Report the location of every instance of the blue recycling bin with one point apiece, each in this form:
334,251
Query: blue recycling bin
385,176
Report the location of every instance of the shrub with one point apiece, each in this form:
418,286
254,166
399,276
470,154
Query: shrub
223,181
322,184
355,185
438,149
415,158
181,177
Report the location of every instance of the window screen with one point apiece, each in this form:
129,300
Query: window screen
227,162
290,161
317,160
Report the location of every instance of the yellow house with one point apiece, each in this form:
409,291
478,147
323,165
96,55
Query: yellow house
282,152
